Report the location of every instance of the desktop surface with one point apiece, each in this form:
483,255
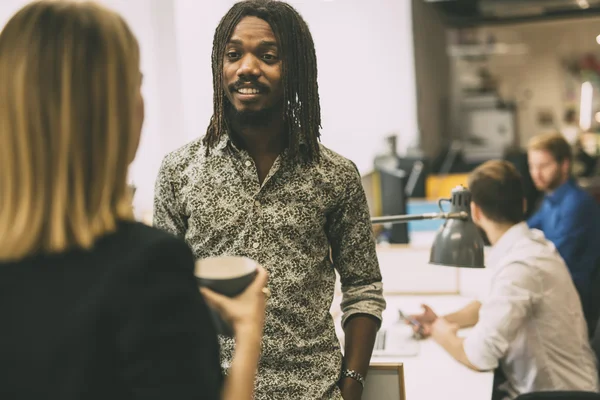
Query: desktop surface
432,373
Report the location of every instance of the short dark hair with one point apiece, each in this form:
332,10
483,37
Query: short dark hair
497,188
553,143
302,110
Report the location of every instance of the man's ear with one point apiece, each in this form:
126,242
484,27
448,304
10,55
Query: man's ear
475,212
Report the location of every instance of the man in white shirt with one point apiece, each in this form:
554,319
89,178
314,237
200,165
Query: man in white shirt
531,323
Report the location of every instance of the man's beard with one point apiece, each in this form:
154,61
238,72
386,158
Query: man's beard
554,183
250,119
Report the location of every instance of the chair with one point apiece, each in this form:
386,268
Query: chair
566,395
385,382
592,309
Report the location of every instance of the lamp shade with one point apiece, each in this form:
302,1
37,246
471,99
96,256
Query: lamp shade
458,242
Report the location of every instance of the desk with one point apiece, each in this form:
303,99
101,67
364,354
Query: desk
433,373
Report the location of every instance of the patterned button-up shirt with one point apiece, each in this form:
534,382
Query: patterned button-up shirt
304,221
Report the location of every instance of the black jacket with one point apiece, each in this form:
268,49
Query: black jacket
122,321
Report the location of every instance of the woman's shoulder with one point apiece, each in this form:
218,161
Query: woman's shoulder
139,234
136,244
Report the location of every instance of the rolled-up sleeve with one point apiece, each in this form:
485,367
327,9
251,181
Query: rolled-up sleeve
513,293
353,253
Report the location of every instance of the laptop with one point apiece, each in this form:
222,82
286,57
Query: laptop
396,341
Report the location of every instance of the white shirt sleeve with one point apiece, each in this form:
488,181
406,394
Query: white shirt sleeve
513,292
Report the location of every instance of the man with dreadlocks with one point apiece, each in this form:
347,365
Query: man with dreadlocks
259,184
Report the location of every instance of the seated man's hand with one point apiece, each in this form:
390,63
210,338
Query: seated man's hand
426,319
442,329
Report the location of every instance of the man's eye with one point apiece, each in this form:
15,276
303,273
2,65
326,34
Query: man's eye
233,54
269,57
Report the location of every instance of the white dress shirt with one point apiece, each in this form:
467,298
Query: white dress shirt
531,323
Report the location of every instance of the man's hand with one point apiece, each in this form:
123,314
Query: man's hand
426,319
351,389
442,330
445,334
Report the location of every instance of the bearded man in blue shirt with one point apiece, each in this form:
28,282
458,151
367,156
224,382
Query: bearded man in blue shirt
568,216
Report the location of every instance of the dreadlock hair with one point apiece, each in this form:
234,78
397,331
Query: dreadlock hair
301,107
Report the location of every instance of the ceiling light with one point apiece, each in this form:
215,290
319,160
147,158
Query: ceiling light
586,106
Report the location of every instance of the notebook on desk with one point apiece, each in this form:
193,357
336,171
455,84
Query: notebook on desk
395,341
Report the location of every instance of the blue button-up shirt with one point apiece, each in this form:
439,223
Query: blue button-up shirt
570,218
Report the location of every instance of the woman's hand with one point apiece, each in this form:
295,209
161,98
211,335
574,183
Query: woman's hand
246,312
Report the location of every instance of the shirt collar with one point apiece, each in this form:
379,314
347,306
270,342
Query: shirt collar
226,142
558,195
506,242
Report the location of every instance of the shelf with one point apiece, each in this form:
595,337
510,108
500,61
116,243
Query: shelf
498,49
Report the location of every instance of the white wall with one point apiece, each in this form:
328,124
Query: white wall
366,74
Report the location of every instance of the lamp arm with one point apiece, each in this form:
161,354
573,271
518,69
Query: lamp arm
399,219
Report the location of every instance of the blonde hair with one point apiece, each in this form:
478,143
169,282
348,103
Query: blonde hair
69,72
553,143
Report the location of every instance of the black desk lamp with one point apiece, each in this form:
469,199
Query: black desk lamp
458,242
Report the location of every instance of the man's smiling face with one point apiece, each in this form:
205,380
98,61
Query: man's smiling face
252,69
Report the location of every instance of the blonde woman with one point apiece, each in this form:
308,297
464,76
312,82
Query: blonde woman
94,305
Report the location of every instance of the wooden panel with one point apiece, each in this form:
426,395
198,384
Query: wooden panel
385,382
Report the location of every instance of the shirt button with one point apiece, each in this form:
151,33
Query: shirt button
248,163
257,203
255,245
